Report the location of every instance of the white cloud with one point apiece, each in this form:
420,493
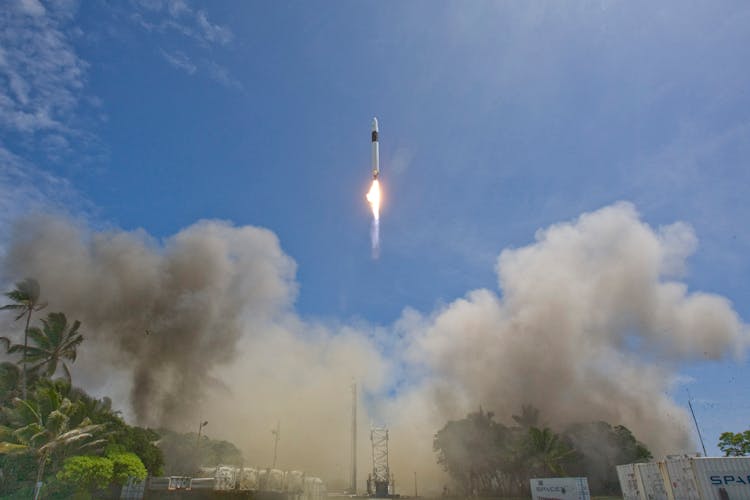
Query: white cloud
33,7
179,60
178,15
42,76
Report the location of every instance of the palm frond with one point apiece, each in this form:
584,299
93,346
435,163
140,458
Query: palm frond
12,307
7,448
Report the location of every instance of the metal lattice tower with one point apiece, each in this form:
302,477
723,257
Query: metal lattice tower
380,471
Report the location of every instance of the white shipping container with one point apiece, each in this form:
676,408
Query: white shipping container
629,482
651,481
679,479
726,478
560,488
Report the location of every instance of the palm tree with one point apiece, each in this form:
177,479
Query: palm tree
45,425
529,416
26,298
53,344
10,381
546,452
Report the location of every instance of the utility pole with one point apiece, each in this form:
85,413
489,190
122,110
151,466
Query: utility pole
353,486
276,433
201,425
415,485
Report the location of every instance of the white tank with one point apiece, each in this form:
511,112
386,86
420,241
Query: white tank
270,480
249,479
294,481
226,478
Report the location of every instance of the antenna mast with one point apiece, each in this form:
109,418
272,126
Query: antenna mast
353,486
690,404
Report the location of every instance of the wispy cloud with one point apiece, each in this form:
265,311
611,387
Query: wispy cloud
179,60
42,91
41,76
177,15
222,75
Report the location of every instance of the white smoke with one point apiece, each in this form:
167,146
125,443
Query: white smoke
590,323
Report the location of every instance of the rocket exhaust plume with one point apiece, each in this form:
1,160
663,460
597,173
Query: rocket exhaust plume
373,197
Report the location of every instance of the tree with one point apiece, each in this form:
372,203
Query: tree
26,301
545,453
53,344
125,466
10,381
474,451
600,448
183,457
529,417
85,473
42,425
735,444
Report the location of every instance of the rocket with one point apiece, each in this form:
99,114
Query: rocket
375,150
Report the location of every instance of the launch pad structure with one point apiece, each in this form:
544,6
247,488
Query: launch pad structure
380,482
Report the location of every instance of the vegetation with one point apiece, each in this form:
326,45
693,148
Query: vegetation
25,299
185,454
735,444
52,431
485,457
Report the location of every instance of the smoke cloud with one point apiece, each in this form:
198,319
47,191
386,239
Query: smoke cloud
590,322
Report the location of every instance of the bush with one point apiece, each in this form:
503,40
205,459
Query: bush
126,465
87,473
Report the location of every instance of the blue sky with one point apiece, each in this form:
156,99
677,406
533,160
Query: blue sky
496,119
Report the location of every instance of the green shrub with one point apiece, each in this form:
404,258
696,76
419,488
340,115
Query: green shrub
86,473
125,465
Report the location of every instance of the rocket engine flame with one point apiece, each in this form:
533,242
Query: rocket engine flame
373,197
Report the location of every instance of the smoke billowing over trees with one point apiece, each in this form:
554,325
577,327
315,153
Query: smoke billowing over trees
487,458
589,323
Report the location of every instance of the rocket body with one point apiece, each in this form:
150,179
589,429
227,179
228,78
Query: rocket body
375,150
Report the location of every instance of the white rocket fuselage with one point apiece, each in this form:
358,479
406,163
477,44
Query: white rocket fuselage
375,150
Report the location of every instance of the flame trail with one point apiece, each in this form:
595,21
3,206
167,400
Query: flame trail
373,197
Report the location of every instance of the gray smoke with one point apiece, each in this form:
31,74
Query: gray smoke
590,326
167,313
590,323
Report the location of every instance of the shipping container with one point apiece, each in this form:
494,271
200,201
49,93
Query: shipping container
560,488
651,481
629,482
726,478
679,479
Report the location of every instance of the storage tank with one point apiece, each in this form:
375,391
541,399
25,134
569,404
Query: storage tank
226,478
725,478
629,482
294,481
248,479
270,480
314,489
